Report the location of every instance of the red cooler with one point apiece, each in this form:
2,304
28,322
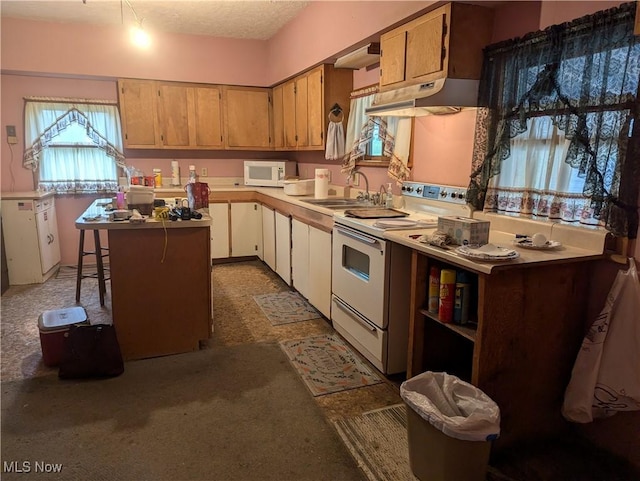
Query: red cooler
53,326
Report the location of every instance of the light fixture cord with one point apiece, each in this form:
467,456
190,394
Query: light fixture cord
135,15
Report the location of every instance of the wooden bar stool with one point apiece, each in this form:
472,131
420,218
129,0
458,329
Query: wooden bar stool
100,253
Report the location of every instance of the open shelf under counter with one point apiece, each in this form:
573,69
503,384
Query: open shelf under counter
466,331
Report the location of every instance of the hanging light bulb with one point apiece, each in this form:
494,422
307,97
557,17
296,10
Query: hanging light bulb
139,36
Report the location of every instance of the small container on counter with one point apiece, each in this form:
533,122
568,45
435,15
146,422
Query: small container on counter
157,178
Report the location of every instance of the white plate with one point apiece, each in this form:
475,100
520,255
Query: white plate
391,223
487,252
527,244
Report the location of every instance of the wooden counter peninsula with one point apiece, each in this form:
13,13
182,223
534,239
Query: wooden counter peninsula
160,282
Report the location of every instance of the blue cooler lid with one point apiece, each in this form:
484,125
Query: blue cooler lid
59,318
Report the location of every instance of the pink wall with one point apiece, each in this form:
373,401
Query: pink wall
104,51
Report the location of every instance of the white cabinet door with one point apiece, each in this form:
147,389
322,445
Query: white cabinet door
246,229
320,270
300,257
283,247
269,237
219,230
47,226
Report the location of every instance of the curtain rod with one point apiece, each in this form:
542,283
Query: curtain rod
67,100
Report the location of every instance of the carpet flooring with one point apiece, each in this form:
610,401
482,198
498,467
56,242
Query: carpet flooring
231,413
327,365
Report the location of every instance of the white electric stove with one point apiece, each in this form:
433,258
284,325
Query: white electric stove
423,203
371,276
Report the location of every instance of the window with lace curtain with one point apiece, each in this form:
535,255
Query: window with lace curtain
557,132
74,146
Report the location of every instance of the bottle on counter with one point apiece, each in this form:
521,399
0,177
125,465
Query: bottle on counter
193,177
157,178
388,203
120,204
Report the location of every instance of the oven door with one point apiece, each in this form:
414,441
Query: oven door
360,265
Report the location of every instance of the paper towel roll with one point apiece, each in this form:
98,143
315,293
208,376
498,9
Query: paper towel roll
175,173
322,183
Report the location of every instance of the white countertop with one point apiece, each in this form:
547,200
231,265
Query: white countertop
98,209
564,253
26,195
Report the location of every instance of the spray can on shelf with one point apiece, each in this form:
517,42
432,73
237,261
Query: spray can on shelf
447,294
462,298
434,289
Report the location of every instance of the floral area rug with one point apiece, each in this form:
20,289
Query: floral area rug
327,365
286,307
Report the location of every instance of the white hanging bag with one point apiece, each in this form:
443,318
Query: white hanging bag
606,375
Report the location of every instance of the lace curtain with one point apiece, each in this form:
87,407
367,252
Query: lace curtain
583,77
72,168
361,127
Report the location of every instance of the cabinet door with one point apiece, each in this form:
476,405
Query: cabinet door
302,112
315,103
269,237
300,257
425,48
283,247
246,113
246,229
174,108
289,114
207,118
219,230
392,57
47,227
320,270
138,112
278,117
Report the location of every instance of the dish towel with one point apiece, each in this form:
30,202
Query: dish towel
335,141
398,165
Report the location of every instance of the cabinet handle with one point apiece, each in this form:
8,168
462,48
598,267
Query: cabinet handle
353,314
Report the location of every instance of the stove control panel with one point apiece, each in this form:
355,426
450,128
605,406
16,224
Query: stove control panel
444,193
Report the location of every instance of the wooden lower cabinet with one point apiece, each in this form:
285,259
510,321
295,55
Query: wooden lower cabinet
143,264
527,329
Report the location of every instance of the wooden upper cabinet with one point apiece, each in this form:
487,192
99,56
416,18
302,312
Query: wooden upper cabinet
278,117
289,114
307,100
446,42
247,116
191,116
138,113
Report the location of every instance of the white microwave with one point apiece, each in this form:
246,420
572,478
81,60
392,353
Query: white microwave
268,173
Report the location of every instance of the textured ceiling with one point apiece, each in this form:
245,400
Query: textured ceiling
235,19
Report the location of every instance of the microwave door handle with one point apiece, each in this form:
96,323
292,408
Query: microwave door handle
353,314
357,236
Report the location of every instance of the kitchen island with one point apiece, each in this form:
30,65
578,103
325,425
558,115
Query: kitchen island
160,273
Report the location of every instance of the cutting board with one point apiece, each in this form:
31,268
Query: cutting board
374,213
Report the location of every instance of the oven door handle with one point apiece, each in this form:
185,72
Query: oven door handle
353,314
357,236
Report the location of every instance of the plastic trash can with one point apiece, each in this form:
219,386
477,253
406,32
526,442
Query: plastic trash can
450,427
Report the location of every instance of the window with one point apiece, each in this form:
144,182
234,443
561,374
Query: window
555,134
74,146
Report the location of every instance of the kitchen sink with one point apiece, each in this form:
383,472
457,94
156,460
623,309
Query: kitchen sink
337,203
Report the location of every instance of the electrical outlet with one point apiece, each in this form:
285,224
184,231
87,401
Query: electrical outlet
355,180
11,134
205,172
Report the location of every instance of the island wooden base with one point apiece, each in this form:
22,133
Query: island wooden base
160,289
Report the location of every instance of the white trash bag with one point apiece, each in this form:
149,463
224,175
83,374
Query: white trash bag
606,375
454,407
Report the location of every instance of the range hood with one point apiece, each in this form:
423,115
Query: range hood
441,96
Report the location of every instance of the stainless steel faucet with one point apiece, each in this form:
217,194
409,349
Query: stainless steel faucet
366,183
